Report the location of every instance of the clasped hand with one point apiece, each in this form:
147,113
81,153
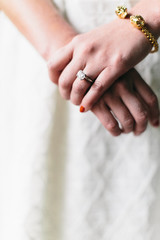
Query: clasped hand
105,54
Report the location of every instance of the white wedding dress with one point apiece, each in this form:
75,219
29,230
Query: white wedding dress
62,175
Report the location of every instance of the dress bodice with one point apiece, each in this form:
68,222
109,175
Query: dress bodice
87,14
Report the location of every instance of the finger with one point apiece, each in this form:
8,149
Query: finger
150,99
137,109
121,112
59,61
68,76
101,84
80,87
106,118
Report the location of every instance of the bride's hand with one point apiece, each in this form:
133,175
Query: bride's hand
104,54
132,102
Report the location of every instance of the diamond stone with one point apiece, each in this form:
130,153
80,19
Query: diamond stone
81,75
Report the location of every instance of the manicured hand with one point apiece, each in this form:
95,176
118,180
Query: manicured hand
104,54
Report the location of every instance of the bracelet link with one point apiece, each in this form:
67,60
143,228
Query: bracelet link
138,22
121,12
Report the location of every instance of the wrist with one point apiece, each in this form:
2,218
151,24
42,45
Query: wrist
54,44
150,11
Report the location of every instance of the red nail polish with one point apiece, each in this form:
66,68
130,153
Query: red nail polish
82,109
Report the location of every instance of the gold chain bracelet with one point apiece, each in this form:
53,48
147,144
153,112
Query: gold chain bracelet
138,22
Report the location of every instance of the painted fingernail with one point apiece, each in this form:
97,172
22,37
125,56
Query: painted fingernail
82,109
156,124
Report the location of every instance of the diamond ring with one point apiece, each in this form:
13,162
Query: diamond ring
81,75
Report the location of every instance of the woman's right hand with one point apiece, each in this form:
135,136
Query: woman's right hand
132,102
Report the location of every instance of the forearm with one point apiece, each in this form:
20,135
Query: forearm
150,11
40,22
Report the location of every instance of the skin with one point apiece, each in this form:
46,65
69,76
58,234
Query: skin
131,101
40,22
61,47
104,61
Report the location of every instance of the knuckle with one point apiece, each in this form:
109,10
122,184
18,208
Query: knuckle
85,50
129,123
121,60
89,48
63,84
84,46
153,100
98,86
111,126
142,117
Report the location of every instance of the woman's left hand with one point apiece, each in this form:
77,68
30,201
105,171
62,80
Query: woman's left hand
104,54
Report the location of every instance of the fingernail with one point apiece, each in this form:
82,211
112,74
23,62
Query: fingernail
156,124
82,109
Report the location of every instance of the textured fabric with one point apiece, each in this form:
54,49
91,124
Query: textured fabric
62,176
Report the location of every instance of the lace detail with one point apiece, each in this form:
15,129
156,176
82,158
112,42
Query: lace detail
67,177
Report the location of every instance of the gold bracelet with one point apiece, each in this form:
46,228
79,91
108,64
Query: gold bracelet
138,22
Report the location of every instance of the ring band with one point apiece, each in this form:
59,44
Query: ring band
81,75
